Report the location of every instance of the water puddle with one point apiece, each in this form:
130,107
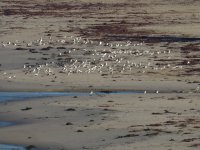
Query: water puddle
12,96
15,147
11,147
6,124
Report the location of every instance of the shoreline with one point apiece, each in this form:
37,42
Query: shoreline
90,119
101,46
129,85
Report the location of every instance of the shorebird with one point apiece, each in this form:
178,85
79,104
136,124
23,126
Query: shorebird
91,93
157,92
40,41
197,89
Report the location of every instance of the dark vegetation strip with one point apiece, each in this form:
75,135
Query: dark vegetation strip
155,38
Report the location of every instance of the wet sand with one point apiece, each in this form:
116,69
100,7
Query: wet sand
113,121
147,46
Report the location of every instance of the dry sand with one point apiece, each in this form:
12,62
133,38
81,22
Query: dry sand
92,45
114,24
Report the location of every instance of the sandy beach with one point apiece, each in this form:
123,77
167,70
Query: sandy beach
135,121
146,46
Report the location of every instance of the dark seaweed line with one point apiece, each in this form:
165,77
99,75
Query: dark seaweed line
156,38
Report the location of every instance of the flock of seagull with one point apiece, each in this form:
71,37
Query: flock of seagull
88,56
76,55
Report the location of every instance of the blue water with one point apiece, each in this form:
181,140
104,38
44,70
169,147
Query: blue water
11,147
118,92
12,96
5,124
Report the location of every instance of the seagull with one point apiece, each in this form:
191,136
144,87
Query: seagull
40,41
91,93
157,92
197,89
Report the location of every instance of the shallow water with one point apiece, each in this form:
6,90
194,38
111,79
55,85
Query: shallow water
118,92
13,96
5,124
11,147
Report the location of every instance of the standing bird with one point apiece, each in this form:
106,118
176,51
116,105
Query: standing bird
91,93
157,92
